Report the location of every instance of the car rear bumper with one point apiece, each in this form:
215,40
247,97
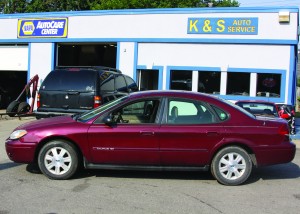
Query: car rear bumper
20,152
270,155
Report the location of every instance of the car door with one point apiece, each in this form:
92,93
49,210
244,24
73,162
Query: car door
190,129
130,139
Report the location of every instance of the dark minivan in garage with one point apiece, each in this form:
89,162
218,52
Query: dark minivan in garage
78,89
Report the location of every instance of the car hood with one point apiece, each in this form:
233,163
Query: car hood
47,122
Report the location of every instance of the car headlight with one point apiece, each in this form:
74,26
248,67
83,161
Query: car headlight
17,134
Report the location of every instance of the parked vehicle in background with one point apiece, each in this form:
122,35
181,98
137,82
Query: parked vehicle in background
287,112
259,107
270,109
78,89
155,130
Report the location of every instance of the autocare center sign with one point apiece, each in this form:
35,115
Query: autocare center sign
239,26
43,28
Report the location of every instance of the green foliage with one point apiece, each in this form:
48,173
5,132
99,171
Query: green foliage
136,4
13,6
27,6
54,5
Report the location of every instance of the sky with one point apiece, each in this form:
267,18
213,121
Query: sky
270,3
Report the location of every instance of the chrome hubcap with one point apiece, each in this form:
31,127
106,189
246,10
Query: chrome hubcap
58,161
232,166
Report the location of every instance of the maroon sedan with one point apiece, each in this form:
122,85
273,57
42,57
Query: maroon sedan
155,130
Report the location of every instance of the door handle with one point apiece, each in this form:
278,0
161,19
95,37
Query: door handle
74,93
147,133
212,133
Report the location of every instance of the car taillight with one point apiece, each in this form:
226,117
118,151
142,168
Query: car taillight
284,131
38,104
97,101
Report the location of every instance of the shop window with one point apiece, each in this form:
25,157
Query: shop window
238,83
181,80
209,82
148,79
268,85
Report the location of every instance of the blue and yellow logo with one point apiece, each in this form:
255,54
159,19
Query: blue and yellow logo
28,28
43,28
240,26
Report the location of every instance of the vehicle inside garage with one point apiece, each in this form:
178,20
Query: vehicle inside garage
103,54
11,85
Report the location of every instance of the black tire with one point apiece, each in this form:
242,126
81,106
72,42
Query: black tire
12,108
23,108
69,160
238,168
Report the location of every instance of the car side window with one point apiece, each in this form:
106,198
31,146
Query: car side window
120,83
188,112
144,111
131,84
221,114
107,82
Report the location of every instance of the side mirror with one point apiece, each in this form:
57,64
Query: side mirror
108,120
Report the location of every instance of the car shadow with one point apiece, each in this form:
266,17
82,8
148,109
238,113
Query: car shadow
33,168
178,175
275,172
9,165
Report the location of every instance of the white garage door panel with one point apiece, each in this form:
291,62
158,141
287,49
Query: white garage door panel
221,55
14,58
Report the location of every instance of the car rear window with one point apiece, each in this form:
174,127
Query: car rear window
64,80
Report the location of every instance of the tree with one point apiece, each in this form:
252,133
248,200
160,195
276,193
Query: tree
21,6
136,4
13,6
54,5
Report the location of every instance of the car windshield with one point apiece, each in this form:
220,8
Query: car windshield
92,113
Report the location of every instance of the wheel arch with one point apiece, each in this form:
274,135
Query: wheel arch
52,138
237,144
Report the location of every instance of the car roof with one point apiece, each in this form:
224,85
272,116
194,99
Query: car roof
255,101
171,93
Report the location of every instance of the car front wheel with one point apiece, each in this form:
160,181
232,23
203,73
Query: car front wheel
231,166
58,160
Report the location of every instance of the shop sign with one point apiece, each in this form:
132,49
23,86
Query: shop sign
223,26
43,28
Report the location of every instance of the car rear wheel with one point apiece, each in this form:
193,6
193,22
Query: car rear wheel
58,160
231,166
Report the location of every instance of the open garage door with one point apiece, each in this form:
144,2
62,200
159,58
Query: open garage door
13,72
92,54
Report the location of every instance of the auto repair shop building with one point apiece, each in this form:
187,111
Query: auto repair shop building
234,53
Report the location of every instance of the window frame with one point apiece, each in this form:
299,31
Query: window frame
157,119
205,104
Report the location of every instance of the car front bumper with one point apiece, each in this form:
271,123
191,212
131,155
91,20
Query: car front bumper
20,152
